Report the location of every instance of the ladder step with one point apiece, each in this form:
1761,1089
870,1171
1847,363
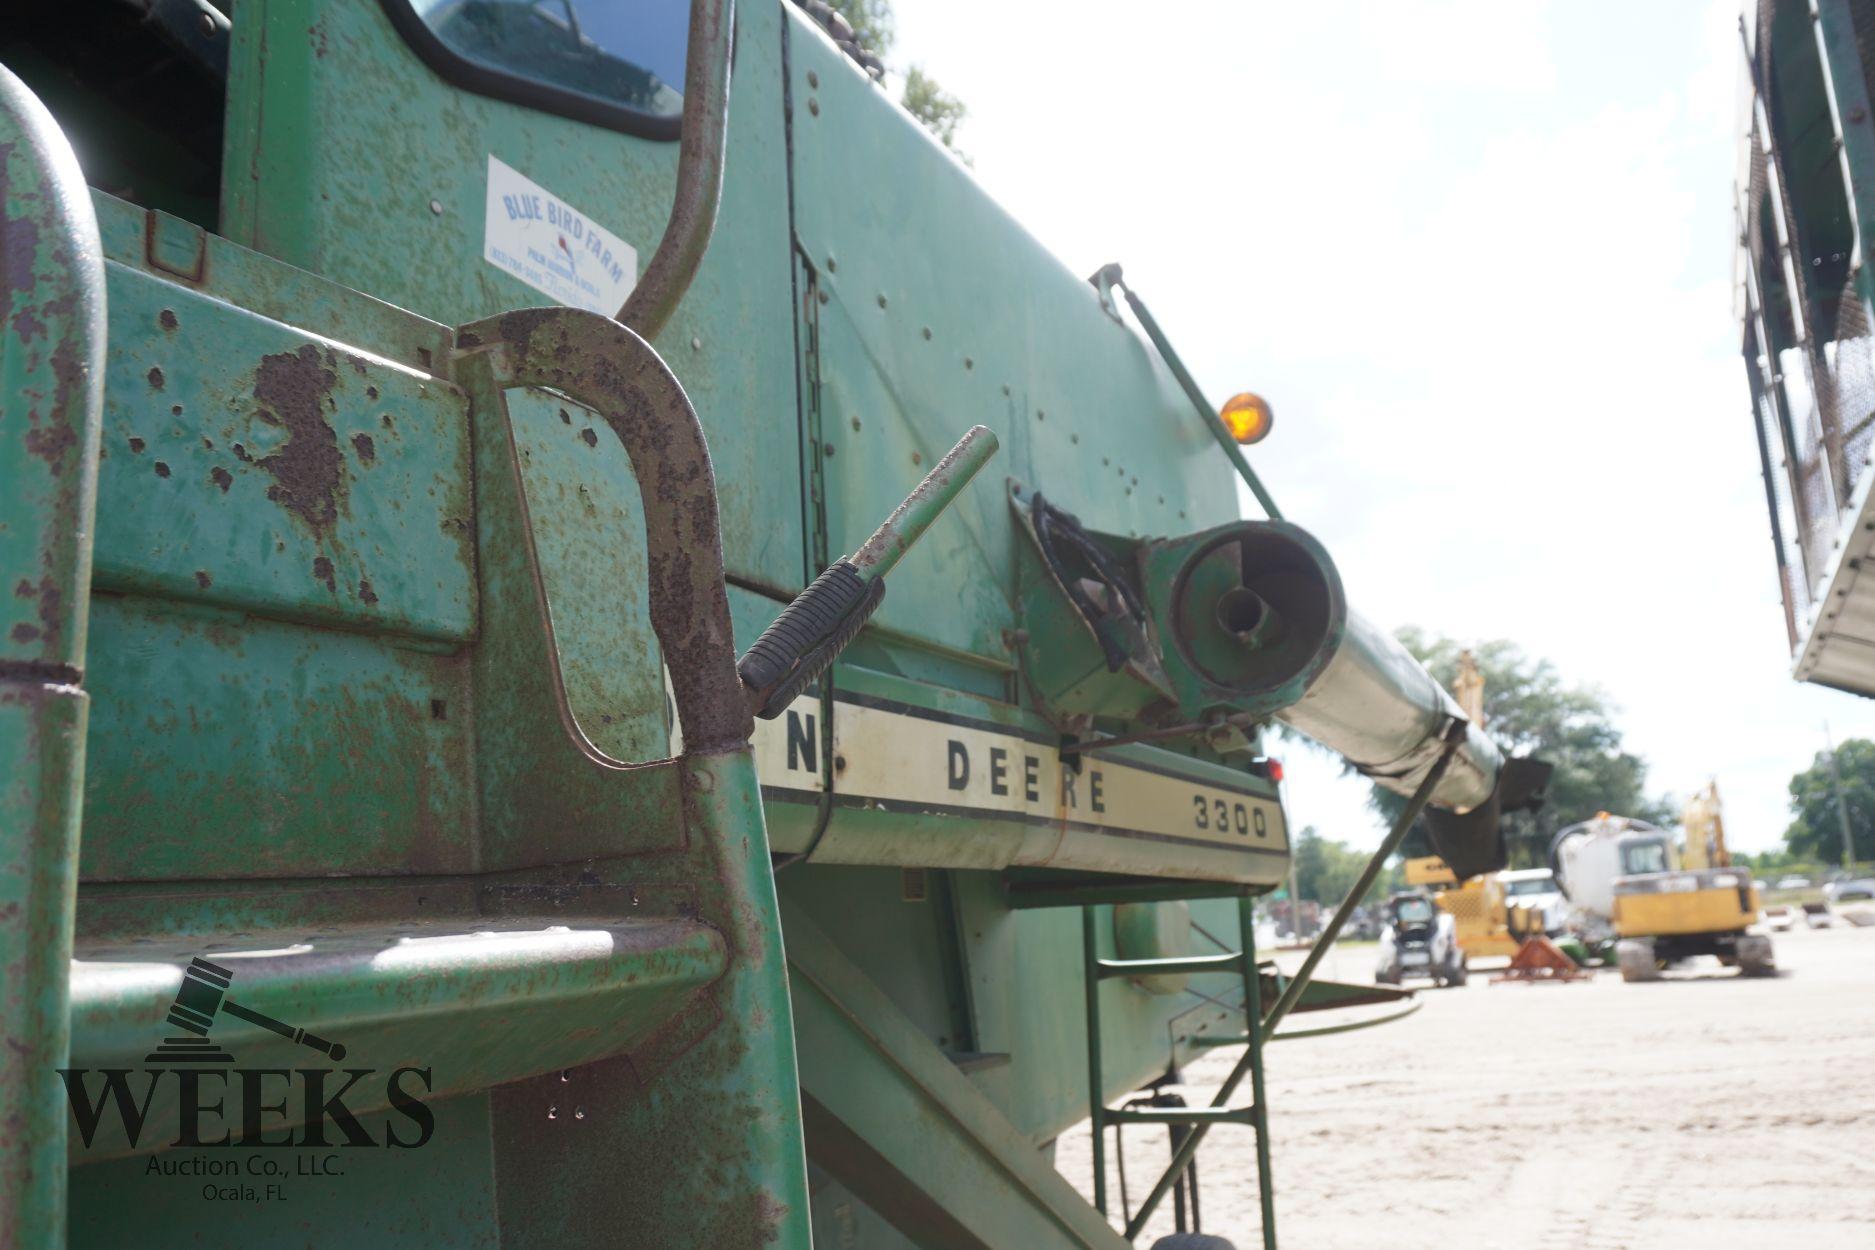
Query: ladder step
1182,1115
1232,962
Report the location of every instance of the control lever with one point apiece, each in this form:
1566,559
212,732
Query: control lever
815,628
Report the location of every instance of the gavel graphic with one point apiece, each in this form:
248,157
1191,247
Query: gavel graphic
203,994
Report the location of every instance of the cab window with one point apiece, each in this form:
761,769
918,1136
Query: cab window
1644,857
614,62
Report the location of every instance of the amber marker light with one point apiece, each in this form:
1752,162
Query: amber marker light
1247,417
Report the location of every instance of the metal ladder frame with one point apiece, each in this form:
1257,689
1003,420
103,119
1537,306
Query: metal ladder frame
1258,1028
1253,1115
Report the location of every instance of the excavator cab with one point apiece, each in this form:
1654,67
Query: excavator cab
1644,853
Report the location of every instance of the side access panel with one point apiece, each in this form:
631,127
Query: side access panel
348,156
936,310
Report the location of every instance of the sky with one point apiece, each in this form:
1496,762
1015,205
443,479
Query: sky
1479,259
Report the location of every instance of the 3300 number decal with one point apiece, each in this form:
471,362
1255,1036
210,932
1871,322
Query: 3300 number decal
1210,814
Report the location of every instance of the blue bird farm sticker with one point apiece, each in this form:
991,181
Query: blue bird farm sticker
553,247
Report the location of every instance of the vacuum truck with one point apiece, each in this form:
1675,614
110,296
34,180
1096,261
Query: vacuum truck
1662,904
458,737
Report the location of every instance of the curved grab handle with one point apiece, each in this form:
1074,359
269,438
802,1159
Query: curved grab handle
597,362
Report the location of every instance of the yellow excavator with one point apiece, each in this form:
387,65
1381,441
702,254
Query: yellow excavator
1661,903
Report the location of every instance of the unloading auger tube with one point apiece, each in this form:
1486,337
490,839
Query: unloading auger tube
1378,707
1258,624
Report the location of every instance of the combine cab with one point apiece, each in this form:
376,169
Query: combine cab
458,735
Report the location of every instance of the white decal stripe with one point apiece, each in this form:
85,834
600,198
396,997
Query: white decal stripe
917,763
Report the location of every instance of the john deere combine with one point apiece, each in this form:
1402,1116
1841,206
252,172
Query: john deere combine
466,783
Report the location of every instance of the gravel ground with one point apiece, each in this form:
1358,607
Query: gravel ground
1702,1112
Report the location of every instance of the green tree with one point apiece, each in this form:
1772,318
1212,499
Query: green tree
874,27
875,30
1815,833
1530,709
939,110
1327,869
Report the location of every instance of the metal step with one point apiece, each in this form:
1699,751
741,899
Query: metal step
477,1002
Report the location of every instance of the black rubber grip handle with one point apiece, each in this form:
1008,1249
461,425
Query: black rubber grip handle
807,636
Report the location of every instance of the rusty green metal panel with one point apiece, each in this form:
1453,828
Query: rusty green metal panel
588,524
345,138
179,251
441,1196
226,745
891,1117
975,323
251,464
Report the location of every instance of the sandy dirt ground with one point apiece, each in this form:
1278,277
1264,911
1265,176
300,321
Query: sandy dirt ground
1703,1112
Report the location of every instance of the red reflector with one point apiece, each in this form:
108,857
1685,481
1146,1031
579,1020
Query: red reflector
1275,770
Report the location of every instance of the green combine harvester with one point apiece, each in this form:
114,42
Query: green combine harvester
466,783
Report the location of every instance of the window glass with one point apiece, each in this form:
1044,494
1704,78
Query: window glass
1530,885
1415,910
628,53
1644,857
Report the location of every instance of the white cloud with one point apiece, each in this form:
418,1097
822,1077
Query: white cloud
1478,255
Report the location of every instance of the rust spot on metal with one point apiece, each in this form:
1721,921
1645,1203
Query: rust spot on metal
175,410
240,453
293,389
137,445
167,318
366,449
222,478
156,378
566,418
591,439
50,597
162,469
322,571
25,590
50,443
365,592
208,443
371,392
203,580
23,632
27,325
19,244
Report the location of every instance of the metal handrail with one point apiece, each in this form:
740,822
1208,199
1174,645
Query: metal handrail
604,365
701,156
52,338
